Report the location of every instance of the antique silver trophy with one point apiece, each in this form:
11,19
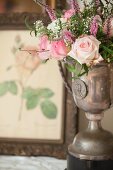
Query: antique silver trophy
94,94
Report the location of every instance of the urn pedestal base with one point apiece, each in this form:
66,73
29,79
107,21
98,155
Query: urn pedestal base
91,149
74,163
94,143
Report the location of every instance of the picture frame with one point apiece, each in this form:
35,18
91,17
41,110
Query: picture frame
60,4
31,147
9,6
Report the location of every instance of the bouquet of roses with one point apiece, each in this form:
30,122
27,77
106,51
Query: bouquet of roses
77,37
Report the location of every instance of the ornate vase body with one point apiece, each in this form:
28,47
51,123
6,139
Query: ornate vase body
94,93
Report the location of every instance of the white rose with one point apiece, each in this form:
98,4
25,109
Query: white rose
86,50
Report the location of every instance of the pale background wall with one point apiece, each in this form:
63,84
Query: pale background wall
107,122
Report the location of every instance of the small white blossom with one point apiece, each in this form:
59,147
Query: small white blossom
39,27
57,25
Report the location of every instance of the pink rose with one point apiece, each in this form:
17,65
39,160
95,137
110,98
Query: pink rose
58,49
44,48
69,13
28,58
110,33
86,50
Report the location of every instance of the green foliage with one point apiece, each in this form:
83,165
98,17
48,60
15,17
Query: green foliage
46,93
49,109
58,13
79,24
3,88
77,69
33,97
12,87
107,51
30,27
8,86
28,92
32,102
40,96
40,92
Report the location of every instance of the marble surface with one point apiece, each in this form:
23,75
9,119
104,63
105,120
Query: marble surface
31,163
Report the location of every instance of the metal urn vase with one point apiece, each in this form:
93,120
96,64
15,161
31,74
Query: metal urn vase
94,94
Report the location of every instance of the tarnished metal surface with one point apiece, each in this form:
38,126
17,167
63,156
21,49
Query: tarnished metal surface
111,83
94,143
79,89
98,86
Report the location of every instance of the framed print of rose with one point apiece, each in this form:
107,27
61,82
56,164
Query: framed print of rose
34,97
25,130
26,64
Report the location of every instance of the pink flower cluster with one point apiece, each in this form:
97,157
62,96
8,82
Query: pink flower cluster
69,13
51,13
97,3
84,50
95,25
108,27
65,37
75,6
53,49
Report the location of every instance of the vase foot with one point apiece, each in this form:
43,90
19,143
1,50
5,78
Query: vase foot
92,145
74,163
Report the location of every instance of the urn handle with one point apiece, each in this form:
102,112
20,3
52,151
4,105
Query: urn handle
79,87
64,78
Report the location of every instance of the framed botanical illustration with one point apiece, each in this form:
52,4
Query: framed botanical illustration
31,90
37,114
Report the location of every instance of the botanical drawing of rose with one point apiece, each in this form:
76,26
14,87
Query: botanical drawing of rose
27,61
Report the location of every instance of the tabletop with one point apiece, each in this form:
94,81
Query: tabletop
31,163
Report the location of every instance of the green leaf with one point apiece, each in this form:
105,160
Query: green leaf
40,92
58,13
30,27
12,87
81,74
28,92
107,49
49,109
71,68
46,93
3,88
32,102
